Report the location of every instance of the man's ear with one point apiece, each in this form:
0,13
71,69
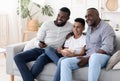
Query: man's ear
68,18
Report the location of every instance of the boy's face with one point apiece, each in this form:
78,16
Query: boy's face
78,28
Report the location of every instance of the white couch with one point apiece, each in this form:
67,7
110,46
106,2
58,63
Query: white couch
49,70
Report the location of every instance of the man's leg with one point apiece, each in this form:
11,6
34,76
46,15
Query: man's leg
24,57
96,62
39,64
67,65
53,54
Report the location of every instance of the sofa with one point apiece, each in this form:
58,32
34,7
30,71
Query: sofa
49,70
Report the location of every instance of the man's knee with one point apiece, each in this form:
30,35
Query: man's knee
94,59
49,49
17,57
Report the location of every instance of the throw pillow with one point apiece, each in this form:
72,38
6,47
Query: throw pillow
30,44
115,58
117,66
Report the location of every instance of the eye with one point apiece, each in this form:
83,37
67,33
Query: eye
74,26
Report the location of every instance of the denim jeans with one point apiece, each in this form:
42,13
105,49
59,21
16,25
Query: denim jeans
54,56
38,55
96,62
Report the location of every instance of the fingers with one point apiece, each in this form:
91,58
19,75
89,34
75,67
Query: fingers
42,45
64,53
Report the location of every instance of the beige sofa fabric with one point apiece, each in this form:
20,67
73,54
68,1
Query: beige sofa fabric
115,58
116,66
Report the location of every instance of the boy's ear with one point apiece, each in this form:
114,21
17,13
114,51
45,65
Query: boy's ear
83,28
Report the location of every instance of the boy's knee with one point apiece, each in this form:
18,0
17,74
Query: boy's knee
65,61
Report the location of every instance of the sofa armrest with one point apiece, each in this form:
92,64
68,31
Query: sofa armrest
11,51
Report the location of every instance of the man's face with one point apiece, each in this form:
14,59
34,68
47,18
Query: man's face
62,18
91,17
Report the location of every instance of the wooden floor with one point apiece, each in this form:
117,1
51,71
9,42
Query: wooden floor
3,75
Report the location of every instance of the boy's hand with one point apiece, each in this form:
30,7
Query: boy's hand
67,52
59,49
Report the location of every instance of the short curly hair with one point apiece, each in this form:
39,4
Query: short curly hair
65,9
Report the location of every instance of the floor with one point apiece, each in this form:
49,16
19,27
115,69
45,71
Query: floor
3,75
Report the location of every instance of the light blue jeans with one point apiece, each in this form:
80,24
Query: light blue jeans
96,62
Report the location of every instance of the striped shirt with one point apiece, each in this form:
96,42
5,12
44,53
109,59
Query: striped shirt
102,37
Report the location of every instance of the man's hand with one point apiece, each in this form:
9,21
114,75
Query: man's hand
83,61
42,44
101,51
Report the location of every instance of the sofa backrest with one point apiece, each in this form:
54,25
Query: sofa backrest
117,40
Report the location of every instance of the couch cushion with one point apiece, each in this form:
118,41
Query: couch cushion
79,75
116,66
115,58
117,40
48,72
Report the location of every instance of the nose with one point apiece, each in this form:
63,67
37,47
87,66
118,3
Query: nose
59,18
75,28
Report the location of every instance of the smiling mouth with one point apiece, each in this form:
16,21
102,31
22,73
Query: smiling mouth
88,21
59,21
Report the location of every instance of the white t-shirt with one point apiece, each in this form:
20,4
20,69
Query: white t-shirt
76,44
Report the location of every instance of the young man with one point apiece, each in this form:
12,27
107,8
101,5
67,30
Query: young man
100,40
52,34
74,46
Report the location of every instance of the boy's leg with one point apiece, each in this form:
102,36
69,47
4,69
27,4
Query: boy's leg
67,66
57,73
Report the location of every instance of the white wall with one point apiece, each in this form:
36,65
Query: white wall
78,9
113,16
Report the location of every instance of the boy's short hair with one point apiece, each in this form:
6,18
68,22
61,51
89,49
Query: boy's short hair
80,20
